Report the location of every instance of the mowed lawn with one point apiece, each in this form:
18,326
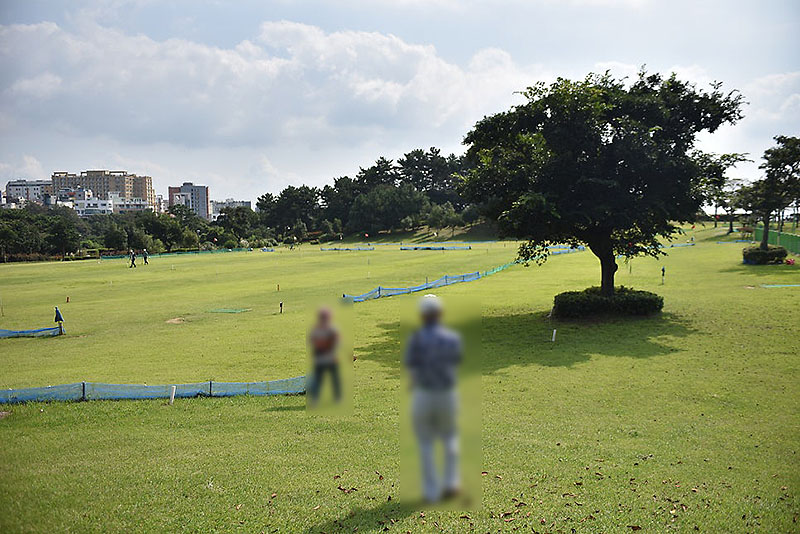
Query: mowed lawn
685,422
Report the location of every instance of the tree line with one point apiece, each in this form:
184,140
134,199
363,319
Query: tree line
420,188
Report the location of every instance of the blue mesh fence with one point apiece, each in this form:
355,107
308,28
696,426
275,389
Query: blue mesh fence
100,391
437,247
345,248
64,392
555,250
447,280
39,332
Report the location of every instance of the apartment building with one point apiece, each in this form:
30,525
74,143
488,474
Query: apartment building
103,182
28,190
218,205
193,196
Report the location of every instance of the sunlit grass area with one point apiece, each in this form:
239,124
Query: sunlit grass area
689,419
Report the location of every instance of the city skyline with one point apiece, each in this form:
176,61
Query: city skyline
254,98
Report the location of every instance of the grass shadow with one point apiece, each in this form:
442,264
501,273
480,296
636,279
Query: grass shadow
526,339
377,519
772,271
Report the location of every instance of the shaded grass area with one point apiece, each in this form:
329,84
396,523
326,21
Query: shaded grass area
686,420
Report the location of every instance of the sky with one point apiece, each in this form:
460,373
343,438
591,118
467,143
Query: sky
248,97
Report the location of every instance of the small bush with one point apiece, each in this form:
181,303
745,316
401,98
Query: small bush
756,256
589,302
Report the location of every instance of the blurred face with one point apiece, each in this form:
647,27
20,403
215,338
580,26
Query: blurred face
324,316
431,316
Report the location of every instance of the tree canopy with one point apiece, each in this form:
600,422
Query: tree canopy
597,161
780,186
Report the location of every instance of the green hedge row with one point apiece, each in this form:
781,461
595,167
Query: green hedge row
756,256
590,302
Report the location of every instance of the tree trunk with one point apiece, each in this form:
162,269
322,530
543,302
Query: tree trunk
715,216
608,266
730,223
765,236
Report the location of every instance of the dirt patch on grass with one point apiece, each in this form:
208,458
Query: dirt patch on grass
3,415
176,320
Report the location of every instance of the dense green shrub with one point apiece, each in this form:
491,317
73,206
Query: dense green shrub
756,256
590,302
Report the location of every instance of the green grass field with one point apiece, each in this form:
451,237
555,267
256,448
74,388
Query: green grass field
685,422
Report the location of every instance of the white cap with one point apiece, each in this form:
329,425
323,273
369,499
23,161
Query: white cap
430,303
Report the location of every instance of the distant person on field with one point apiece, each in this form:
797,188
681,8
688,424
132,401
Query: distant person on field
145,256
324,342
132,255
432,357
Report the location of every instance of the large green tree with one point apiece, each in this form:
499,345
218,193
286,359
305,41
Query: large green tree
598,161
779,187
238,220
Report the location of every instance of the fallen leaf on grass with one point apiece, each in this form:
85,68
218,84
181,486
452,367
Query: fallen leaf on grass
465,516
380,476
634,527
273,495
238,506
316,507
345,490
498,477
484,473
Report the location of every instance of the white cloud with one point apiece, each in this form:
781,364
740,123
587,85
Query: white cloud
41,86
27,167
294,81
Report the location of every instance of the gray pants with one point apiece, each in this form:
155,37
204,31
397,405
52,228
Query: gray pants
434,414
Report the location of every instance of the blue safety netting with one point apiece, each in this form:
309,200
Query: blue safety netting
447,280
437,247
558,249
345,248
100,391
395,244
39,332
63,392
734,241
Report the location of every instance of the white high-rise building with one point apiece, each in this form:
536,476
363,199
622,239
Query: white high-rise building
192,196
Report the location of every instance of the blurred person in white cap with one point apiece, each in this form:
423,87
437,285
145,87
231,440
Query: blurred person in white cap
432,358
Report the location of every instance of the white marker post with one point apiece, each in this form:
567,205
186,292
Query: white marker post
172,395
554,336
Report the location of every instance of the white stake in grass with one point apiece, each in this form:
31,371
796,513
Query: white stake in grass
554,336
172,395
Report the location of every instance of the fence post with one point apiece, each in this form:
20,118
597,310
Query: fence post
83,391
445,279
379,291
209,388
